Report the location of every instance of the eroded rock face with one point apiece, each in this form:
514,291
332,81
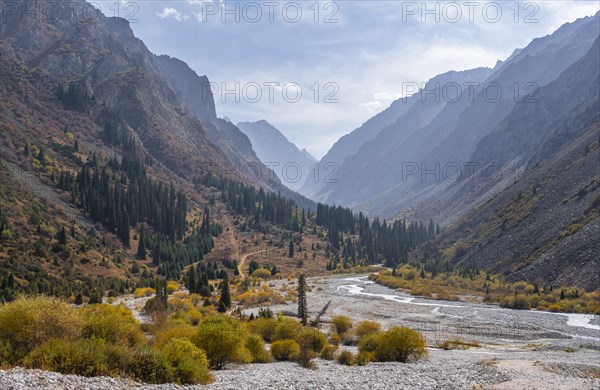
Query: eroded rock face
160,98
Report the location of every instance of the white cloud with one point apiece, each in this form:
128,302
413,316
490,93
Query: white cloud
172,13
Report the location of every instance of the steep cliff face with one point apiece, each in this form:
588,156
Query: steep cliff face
167,105
110,69
197,100
193,91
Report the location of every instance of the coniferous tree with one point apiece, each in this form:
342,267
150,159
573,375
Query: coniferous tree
225,294
302,305
141,251
291,249
79,299
41,156
62,236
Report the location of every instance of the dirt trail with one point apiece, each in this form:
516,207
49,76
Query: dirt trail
225,243
243,258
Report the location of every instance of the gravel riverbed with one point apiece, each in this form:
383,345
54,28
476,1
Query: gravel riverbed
518,349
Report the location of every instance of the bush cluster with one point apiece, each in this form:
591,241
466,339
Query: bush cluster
184,344
519,295
47,333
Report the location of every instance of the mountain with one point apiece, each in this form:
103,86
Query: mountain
535,203
411,160
291,165
349,144
412,113
115,170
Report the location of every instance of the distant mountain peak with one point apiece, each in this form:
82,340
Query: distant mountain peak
273,148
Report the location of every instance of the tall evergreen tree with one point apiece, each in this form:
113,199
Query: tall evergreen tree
291,249
62,236
141,251
302,306
225,294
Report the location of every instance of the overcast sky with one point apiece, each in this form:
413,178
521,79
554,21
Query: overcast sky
348,59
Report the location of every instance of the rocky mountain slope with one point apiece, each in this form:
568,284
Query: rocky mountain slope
82,96
291,164
536,202
396,162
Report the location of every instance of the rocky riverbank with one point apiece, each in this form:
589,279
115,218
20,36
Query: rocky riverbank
514,349
475,368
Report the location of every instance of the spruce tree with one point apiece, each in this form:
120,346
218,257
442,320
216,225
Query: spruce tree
225,294
141,251
41,156
62,236
291,249
302,306
79,299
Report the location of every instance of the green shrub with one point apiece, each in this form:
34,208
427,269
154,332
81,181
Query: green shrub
29,322
312,339
400,344
261,273
364,358
256,346
222,338
287,350
173,331
115,324
82,357
521,302
367,327
368,343
150,365
264,327
341,324
328,352
305,357
347,358
286,329
189,362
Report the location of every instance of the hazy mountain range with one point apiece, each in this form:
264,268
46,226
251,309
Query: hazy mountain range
291,165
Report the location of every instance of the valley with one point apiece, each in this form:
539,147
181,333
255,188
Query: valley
149,241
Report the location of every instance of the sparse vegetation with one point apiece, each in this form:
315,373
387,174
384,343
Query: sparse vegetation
489,288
